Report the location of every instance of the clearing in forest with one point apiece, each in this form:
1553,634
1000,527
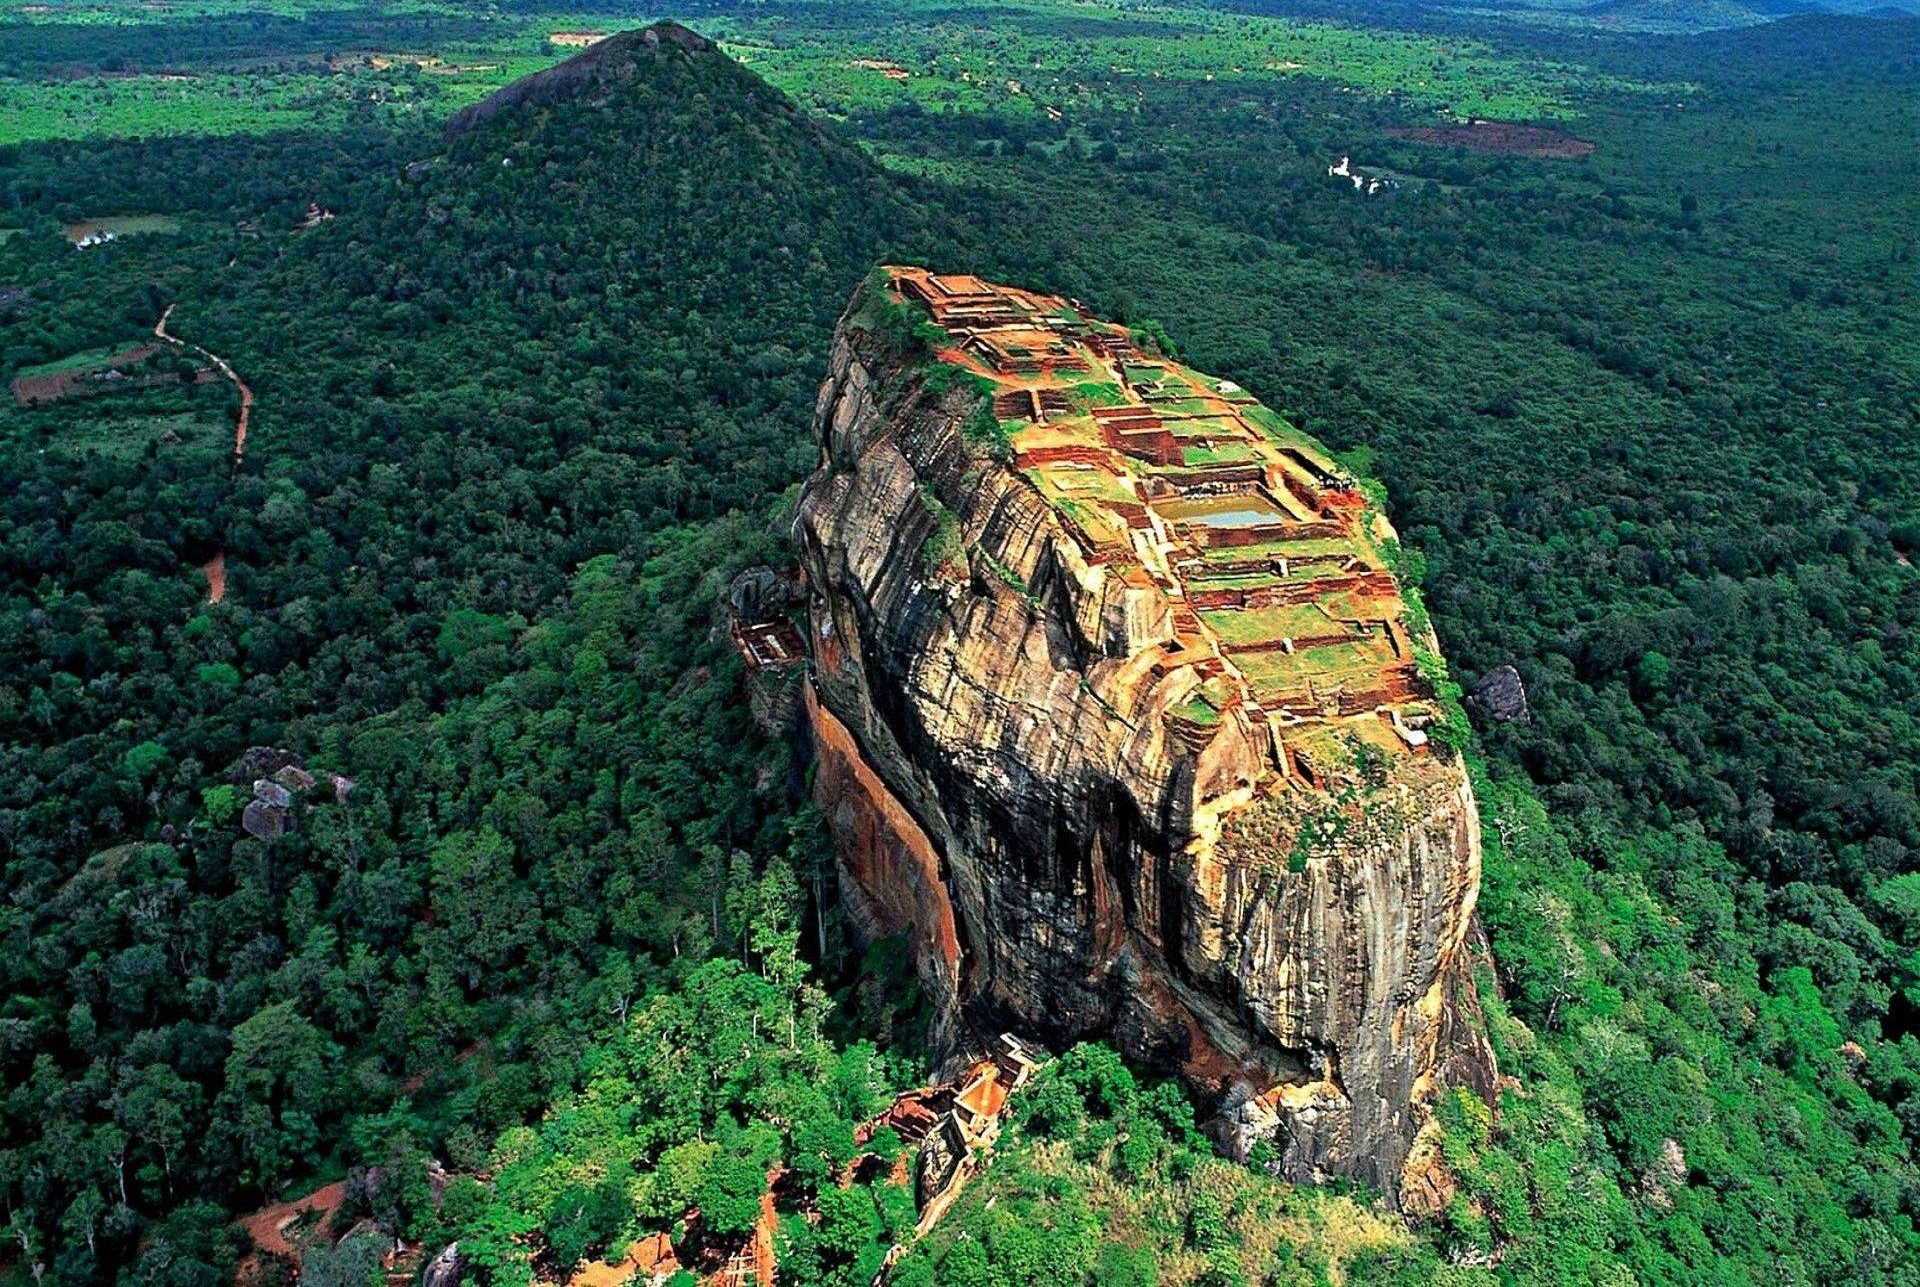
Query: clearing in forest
96,371
1499,138
94,232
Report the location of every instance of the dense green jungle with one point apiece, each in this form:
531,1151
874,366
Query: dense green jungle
557,951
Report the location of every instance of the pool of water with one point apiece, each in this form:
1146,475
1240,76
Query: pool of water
1244,516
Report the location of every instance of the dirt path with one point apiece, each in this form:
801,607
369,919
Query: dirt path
763,1232
220,364
215,567
216,570
268,1226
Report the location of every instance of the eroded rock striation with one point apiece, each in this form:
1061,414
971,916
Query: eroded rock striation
1122,717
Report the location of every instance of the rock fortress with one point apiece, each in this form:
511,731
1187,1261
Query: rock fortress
1123,718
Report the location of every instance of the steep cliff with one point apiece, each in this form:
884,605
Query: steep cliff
1121,715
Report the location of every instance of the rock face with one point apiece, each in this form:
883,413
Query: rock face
280,790
444,1269
1120,716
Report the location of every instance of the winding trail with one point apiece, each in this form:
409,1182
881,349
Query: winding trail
215,567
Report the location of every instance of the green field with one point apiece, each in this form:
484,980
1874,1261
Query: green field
1269,625
84,361
1004,58
201,436
114,226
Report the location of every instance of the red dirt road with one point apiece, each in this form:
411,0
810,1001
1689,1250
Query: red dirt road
216,570
267,1227
220,364
215,567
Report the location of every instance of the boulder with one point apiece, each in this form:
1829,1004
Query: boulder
265,821
262,762
757,595
1500,696
272,794
444,1269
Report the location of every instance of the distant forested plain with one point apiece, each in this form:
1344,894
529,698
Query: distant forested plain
525,401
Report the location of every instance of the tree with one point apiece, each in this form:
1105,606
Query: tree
1119,1265
584,1220
677,1181
352,1262
483,920
196,1245
277,1083
822,1146
729,1195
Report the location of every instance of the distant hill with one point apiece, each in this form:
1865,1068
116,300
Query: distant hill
1677,15
1693,13
1809,46
649,193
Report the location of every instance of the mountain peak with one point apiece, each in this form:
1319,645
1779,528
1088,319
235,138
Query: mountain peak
665,32
600,65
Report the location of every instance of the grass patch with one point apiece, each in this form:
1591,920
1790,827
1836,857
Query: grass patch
86,360
1197,709
121,226
131,437
1224,453
1265,625
1098,393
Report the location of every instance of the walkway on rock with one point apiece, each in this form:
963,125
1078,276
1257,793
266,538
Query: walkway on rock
215,567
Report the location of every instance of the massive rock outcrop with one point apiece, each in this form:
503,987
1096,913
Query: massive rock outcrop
1120,714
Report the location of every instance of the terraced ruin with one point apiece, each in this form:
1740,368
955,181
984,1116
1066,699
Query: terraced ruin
1267,560
1120,714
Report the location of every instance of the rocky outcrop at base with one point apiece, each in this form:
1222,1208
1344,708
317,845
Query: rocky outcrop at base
1501,696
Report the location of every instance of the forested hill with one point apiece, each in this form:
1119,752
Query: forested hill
594,72
521,409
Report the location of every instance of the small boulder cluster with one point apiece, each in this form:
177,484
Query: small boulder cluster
281,785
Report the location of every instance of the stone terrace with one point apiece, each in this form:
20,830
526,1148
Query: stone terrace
1267,555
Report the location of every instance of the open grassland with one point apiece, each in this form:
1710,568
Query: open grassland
107,227
214,102
144,106
127,13
88,360
1065,59
113,69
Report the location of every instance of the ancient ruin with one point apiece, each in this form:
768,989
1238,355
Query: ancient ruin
1250,555
1123,716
